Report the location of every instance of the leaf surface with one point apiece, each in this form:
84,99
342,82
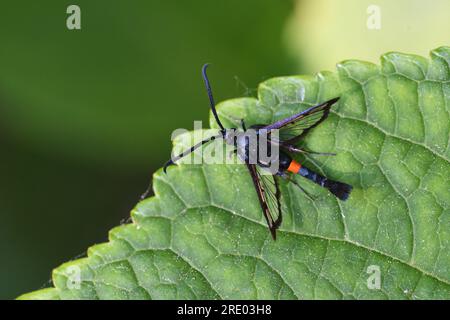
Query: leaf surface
203,235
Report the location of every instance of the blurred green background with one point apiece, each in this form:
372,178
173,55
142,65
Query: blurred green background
86,115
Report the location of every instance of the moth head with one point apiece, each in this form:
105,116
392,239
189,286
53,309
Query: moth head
230,136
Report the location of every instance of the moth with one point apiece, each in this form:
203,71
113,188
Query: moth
282,135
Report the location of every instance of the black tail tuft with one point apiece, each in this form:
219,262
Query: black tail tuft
339,189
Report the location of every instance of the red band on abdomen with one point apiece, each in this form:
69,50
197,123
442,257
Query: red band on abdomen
294,167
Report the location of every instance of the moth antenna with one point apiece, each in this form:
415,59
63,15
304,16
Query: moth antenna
188,151
210,96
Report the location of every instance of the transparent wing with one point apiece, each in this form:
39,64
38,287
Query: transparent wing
295,127
269,194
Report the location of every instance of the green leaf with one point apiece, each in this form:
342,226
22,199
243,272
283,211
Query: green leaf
203,234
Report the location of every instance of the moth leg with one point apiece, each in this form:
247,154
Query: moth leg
243,125
295,149
146,193
289,178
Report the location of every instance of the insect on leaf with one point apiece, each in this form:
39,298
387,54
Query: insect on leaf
203,235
